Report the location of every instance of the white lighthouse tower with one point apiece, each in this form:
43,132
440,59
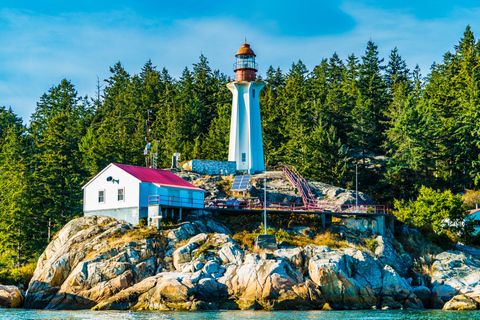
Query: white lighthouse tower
246,144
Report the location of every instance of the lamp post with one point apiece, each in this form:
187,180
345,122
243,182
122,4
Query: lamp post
265,202
356,187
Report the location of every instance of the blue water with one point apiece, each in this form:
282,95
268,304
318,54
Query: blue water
233,315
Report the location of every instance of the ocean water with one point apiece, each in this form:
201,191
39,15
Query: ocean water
21,314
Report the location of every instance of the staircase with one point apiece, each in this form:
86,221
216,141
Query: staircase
302,186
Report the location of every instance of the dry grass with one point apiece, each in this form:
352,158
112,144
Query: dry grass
471,198
331,240
424,265
121,237
245,238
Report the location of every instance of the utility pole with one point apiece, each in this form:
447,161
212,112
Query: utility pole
265,202
356,187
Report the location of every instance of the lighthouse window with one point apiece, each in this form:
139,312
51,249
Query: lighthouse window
244,157
253,93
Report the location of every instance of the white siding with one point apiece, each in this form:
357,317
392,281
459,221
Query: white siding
125,180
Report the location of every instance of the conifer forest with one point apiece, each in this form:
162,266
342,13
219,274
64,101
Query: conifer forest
403,130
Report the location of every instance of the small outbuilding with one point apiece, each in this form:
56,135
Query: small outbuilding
132,193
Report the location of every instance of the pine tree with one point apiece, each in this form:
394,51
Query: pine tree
19,237
328,158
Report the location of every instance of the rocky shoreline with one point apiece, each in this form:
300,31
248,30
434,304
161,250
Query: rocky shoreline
101,263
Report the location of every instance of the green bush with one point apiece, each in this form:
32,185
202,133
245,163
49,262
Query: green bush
18,276
371,244
433,208
142,222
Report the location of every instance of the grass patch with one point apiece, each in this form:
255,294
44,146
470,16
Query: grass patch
203,250
331,240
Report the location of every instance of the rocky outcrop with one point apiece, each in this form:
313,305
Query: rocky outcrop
10,297
456,272
102,263
91,259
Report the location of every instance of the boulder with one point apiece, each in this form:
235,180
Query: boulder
331,271
183,254
88,262
458,270
217,227
461,302
295,256
424,294
269,284
387,254
10,297
444,292
231,253
184,231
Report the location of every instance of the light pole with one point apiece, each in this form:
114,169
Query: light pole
265,202
356,187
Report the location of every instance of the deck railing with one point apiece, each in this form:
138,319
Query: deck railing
175,201
323,206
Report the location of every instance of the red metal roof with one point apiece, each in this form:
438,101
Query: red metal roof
159,177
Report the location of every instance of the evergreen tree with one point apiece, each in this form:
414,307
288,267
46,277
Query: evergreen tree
328,158
18,225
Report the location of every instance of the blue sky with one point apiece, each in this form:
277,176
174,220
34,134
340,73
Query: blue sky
43,42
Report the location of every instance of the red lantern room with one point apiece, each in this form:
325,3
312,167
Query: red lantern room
245,67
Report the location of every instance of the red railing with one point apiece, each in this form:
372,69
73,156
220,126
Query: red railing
301,184
323,206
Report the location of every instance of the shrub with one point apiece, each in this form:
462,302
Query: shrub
371,244
440,210
245,238
18,276
142,222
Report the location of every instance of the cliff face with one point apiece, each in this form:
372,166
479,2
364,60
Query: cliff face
102,263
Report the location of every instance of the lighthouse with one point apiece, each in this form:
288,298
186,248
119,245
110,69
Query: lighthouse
246,144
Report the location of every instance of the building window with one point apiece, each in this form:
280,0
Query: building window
253,93
101,196
121,194
244,157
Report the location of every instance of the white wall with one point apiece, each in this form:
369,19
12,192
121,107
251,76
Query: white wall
246,127
131,195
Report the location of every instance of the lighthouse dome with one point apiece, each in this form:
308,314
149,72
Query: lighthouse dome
245,50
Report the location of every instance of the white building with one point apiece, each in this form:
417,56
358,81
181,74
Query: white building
246,144
126,192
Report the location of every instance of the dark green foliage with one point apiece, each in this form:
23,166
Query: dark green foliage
433,209
403,131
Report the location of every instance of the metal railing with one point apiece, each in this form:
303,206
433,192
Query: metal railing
175,201
301,184
323,206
